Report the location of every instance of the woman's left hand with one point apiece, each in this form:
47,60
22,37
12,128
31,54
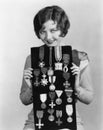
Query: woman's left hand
76,71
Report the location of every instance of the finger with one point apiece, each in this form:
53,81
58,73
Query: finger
28,74
74,66
31,69
28,71
76,70
27,77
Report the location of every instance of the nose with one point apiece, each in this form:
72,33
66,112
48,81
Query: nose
48,36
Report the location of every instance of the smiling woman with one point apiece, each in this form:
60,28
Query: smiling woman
50,34
54,66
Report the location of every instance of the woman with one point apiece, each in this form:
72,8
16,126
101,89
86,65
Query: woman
51,25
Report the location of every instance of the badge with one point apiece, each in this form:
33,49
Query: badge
52,95
36,74
39,115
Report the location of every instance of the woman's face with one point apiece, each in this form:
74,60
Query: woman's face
50,34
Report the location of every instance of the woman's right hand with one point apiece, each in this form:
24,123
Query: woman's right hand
27,76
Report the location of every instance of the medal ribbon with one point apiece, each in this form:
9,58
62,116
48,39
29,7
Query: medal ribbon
41,53
58,53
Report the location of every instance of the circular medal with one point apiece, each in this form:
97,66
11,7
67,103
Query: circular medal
51,118
69,99
52,87
50,72
69,119
43,105
58,101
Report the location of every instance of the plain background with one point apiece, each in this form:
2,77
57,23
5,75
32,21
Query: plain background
16,38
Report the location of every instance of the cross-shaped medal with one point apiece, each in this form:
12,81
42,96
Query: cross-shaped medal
59,122
52,104
39,124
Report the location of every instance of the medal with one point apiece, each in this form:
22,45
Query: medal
59,100
59,115
36,74
58,57
51,117
41,57
58,53
52,80
44,80
50,72
52,104
39,115
52,95
66,60
58,66
43,98
69,94
59,122
69,111
66,77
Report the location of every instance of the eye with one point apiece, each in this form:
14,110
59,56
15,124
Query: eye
53,30
42,32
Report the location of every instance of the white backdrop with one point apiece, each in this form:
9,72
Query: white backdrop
16,38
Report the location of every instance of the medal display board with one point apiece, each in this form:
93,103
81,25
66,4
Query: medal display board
53,88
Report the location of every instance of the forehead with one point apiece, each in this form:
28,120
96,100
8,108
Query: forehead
50,24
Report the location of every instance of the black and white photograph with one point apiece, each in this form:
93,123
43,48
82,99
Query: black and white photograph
51,64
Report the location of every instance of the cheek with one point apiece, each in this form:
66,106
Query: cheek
42,36
57,34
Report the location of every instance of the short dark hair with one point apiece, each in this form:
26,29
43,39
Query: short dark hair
54,13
